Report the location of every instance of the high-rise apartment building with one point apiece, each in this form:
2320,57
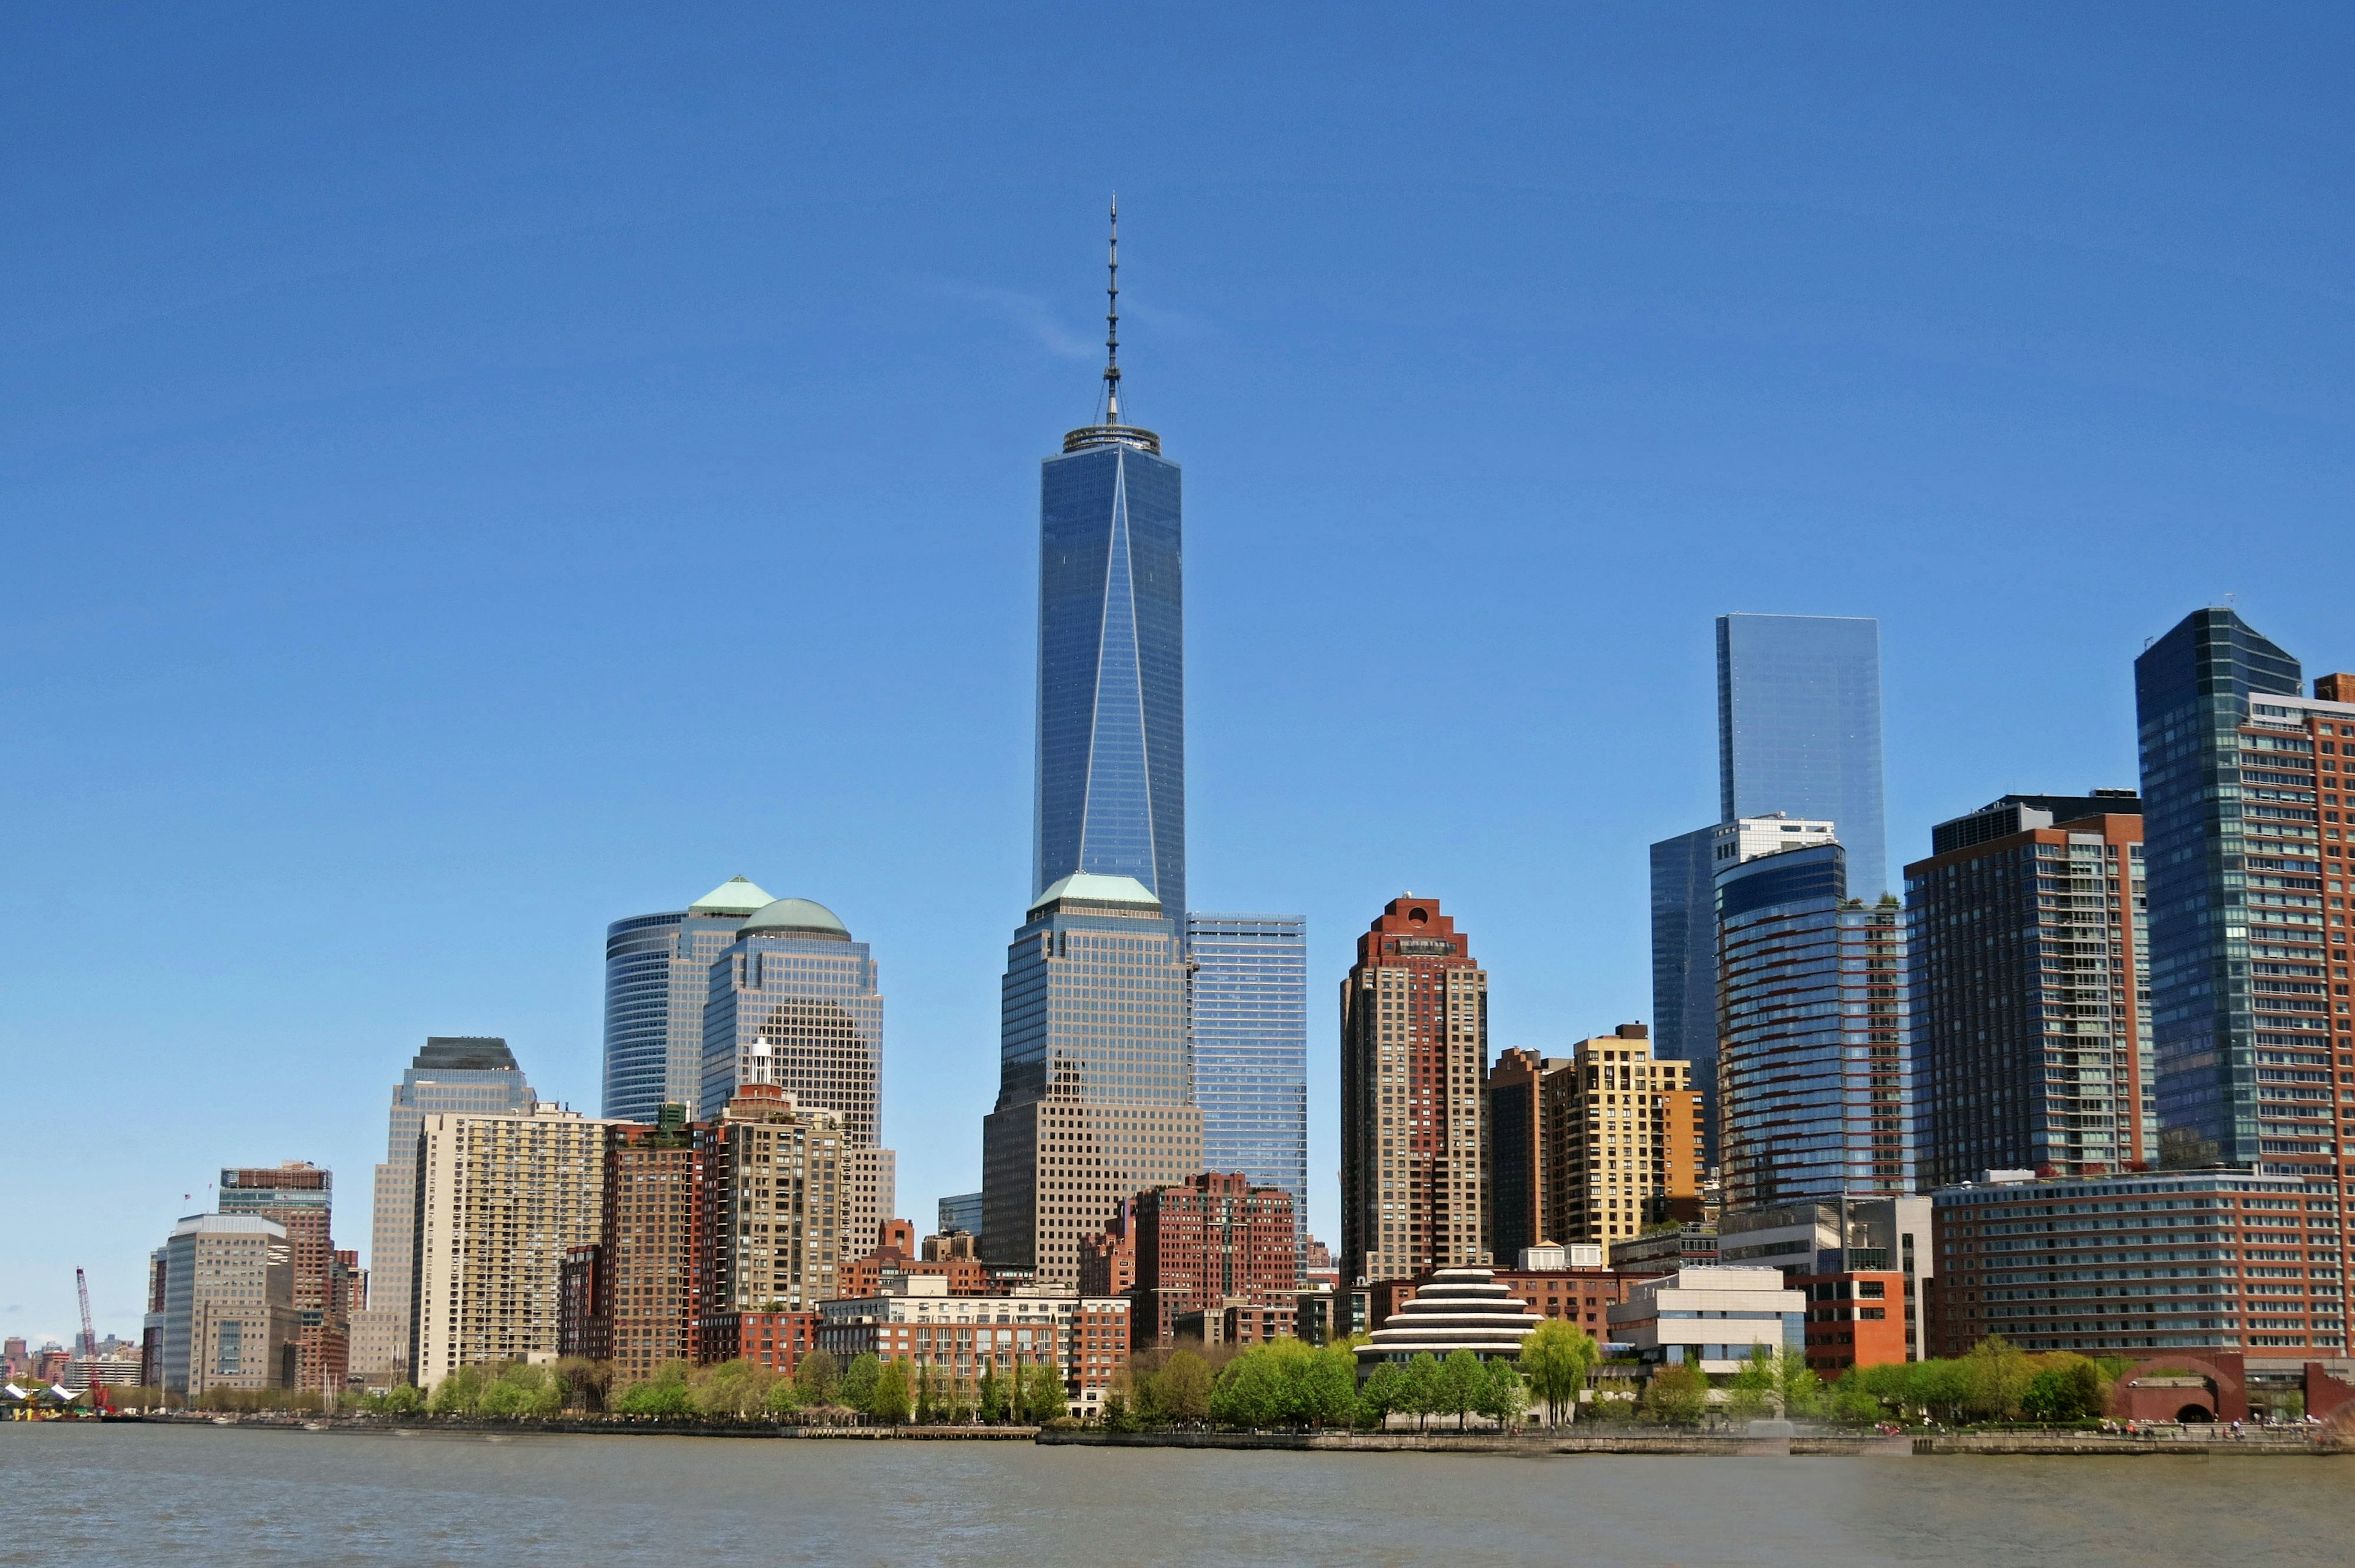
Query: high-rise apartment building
642,1287
657,979
228,1305
1815,1084
1212,1240
1587,1147
794,1002
773,1233
1684,939
1414,1054
2245,816
300,1196
2031,995
502,1201
1111,788
454,1074
1095,1087
1249,1025
1798,728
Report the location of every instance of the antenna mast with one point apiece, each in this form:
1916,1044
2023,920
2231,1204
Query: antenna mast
1112,321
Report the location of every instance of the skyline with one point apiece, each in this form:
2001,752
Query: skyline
401,538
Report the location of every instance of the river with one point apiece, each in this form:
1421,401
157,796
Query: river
89,1494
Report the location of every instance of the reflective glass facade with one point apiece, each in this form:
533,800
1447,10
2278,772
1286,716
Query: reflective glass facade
657,972
1112,685
1250,1026
1684,966
1815,1081
1798,728
802,1012
2191,697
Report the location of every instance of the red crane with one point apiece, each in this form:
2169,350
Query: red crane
98,1396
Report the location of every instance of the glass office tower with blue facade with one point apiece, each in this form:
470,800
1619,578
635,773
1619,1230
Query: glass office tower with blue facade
658,971
1798,728
1112,666
1249,1010
2204,846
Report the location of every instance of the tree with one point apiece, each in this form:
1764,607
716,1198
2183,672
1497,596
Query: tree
1614,1399
1461,1381
1183,1385
1677,1396
522,1391
857,1390
1503,1394
1422,1394
1752,1392
785,1398
585,1382
1043,1399
403,1399
1327,1391
2066,1388
1940,1387
817,1376
931,1394
737,1388
1998,1374
664,1395
460,1392
993,1396
1118,1415
1383,1392
893,1395
1250,1391
1555,1359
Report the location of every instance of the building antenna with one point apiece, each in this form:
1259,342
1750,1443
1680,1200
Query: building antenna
1111,322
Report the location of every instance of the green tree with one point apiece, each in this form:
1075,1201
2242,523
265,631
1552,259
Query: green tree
585,1382
1183,1386
893,1395
1043,1399
1383,1392
2065,1388
785,1398
1421,1396
931,1394
1251,1392
1461,1381
1853,1399
665,1394
1677,1396
401,1399
993,1396
1326,1387
1752,1392
1555,1359
1504,1395
1614,1399
1803,1391
1119,1415
522,1392
737,1388
857,1390
1998,1374
1943,1388
817,1377
460,1392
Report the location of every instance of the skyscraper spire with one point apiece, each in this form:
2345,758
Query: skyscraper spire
1111,322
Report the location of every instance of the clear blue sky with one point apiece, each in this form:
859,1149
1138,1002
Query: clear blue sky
472,473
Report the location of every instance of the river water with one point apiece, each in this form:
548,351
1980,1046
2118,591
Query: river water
91,1494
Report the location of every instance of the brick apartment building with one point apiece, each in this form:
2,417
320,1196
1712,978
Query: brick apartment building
1210,1241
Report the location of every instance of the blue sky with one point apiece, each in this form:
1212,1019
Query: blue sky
470,473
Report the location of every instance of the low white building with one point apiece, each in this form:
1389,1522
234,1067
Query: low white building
914,1318
1710,1318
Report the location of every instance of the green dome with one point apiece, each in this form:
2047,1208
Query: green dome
737,895
796,917
1086,886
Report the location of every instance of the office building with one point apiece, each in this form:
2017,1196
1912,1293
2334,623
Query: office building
1584,1148
657,979
1110,780
300,1196
1684,939
960,1212
2244,817
774,1230
2226,1259
1814,1082
870,1192
1095,1087
794,1003
1711,1319
958,1340
1213,1240
1414,1054
1834,1249
1798,728
502,1202
2030,1014
1249,1024
228,1305
454,1074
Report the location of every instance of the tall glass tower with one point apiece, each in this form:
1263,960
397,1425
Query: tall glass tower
1798,729
657,970
1248,1011
1111,654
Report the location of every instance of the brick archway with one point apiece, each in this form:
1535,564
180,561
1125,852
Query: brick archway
2167,1387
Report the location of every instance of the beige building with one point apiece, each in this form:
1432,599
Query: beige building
500,1200
778,1195
1624,1130
228,1305
870,1184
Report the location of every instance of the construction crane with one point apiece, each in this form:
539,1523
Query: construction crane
98,1395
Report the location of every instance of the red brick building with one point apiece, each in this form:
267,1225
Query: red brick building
1854,1319
1211,1241
644,1301
777,1340
1108,1258
895,1258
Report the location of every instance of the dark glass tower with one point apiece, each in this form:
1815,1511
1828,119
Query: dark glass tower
1112,656
2192,689
1798,728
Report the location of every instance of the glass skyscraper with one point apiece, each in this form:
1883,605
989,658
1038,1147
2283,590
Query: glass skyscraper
1112,666
1250,1026
2207,844
1798,728
657,970
794,1002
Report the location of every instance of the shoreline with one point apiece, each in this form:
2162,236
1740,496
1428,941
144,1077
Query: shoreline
1823,1445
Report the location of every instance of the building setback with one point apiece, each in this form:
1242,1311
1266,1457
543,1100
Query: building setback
1214,1240
456,1074
1814,1083
2030,1014
2222,1258
657,978
1095,1087
1414,1055
1248,1023
502,1202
